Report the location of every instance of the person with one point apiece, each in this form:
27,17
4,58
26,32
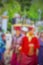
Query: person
16,42
13,20
41,49
0,31
2,48
8,45
29,48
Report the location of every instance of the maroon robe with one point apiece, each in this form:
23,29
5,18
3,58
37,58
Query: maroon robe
25,58
15,55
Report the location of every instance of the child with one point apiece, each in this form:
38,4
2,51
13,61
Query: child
2,49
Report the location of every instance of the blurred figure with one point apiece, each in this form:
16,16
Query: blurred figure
8,46
41,49
29,48
4,38
16,19
0,30
2,48
13,20
38,34
8,40
16,45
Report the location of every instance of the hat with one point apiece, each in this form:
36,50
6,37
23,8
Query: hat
25,29
31,27
17,28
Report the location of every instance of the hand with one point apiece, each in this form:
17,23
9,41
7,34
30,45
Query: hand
20,48
8,51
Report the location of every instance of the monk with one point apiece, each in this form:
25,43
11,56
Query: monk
16,42
29,50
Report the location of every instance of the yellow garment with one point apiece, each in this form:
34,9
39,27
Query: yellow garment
30,36
31,46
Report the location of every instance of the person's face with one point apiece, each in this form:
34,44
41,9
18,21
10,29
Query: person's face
24,32
18,32
4,37
32,31
41,34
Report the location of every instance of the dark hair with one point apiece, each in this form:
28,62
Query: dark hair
3,35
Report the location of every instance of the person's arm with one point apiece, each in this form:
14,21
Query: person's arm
37,46
21,45
11,47
3,48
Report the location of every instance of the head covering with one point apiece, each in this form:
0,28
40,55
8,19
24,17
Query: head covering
25,29
17,28
31,27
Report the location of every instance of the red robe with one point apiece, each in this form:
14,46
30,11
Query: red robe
26,42
29,60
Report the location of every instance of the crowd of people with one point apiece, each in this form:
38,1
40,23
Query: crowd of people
26,47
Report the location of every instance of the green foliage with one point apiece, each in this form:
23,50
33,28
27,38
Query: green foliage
12,7
40,28
24,7
9,26
25,4
33,12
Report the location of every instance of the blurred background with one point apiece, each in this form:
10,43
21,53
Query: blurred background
21,11
28,12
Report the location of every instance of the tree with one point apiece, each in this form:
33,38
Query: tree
33,12
12,7
25,4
